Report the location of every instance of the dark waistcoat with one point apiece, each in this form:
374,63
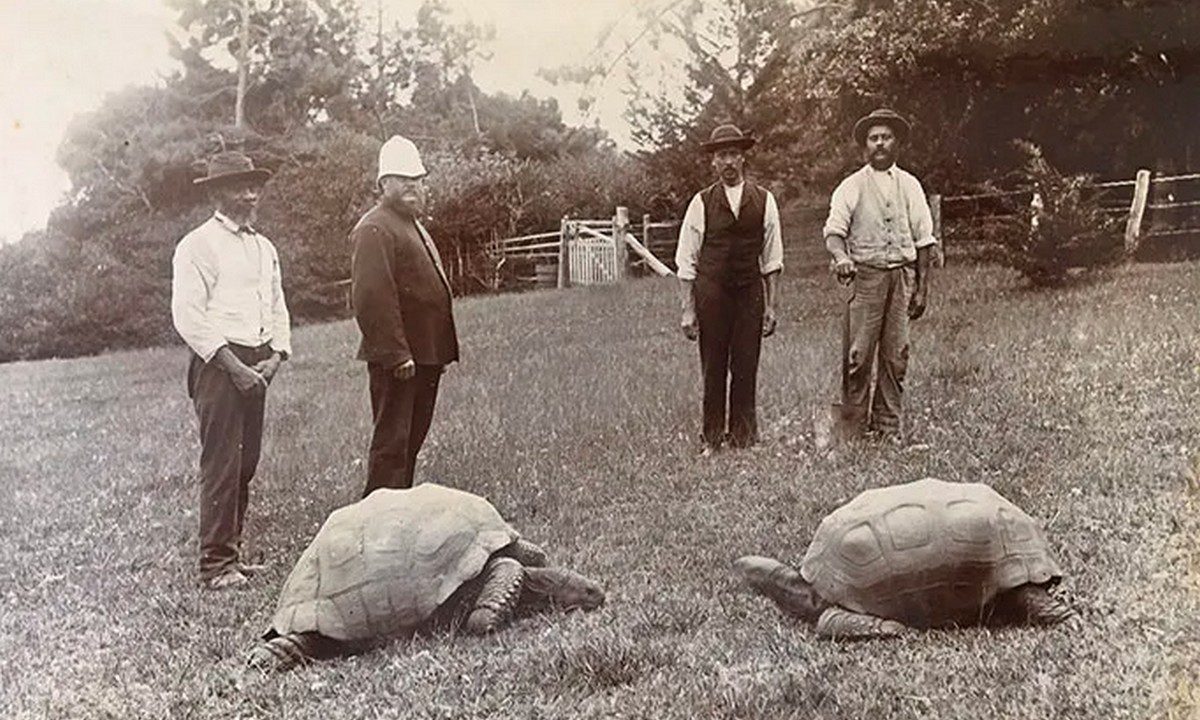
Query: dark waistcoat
732,245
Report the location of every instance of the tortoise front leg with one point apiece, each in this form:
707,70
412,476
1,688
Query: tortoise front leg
528,554
284,652
1035,605
498,595
841,624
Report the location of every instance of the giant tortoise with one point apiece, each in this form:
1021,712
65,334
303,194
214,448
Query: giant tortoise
400,560
923,554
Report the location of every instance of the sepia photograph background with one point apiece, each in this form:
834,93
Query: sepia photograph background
1058,361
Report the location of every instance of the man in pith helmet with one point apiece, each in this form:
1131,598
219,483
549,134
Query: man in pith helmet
402,303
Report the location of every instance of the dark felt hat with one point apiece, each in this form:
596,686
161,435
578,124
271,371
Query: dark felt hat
724,136
231,166
881,116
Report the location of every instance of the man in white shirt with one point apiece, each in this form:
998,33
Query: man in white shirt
729,256
228,306
880,234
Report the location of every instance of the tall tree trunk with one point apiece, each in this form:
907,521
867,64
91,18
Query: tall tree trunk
474,110
239,111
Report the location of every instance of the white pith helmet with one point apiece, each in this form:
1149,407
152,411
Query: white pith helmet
399,156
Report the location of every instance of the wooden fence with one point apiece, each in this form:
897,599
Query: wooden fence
587,252
1153,207
590,252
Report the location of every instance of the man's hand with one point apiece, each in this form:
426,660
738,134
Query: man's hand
267,368
405,370
246,379
769,322
916,306
843,268
689,325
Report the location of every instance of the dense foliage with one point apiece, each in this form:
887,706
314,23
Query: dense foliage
1102,86
322,92
1063,229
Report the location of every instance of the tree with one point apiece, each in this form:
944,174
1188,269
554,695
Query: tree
301,61
318,97
1103,87
736,56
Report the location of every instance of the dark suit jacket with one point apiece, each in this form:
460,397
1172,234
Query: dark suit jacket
400,295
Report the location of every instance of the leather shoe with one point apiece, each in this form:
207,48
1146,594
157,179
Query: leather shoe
251,569
228,578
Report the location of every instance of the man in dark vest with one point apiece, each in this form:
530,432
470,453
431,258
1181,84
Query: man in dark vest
729,256
880,234
401,301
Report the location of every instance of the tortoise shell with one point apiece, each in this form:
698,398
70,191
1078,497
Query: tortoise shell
385,563
926,553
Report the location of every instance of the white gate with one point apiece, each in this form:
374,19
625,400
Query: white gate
592,257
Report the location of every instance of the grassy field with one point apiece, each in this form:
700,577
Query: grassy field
577,414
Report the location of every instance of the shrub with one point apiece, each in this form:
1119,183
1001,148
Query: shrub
1066,228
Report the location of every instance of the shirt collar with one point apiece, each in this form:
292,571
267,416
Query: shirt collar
890,170
231,226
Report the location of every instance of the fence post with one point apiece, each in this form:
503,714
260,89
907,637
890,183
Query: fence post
564,253
646,231
619,228
1137,210
935,211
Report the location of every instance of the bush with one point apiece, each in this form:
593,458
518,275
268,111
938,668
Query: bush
99,277
1067,230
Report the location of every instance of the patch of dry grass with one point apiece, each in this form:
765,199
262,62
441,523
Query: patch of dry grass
577,414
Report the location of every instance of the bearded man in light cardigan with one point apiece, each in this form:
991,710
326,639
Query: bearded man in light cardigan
880,234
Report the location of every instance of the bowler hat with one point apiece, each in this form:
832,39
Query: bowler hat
728,136
230,166
881,116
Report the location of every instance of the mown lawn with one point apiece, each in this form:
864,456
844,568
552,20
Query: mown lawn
577,412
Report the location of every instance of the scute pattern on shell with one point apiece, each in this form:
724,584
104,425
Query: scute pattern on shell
385,563
927,553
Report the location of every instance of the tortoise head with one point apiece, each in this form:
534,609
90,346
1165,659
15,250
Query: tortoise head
782,584
562,588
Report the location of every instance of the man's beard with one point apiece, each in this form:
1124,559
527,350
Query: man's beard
882,158
408,208
242,213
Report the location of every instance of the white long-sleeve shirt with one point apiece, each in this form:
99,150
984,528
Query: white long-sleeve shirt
691,233
226,287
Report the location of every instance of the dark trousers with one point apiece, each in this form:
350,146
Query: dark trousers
231,426
403,410
730,319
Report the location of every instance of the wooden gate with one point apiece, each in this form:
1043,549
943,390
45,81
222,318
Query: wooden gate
589,252
592,253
